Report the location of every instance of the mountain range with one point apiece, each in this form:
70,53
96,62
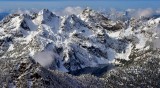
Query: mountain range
46,50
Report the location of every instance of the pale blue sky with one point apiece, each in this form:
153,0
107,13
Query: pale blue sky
60,4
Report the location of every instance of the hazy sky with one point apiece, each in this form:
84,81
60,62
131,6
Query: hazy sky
60,4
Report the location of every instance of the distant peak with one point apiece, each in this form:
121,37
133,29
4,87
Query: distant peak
72,16
45,15
87,10
46,11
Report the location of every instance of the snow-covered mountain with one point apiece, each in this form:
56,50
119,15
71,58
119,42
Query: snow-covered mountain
70,43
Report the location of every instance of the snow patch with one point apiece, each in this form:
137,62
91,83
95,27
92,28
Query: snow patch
11,47
125,55
142,41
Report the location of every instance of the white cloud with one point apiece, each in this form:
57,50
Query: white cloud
25,11
73,10
50,60
143,12
46,59
69,11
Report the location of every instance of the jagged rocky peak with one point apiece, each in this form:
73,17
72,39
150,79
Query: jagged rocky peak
26,21
72,17
89,12
45,15
46,12
72,22
16,16
20,15
92,15
98,20
8,18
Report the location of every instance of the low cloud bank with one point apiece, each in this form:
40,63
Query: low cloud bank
25,11
46,58
69,11
143,12
146,12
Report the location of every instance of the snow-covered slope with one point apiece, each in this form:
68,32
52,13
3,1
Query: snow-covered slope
72,42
